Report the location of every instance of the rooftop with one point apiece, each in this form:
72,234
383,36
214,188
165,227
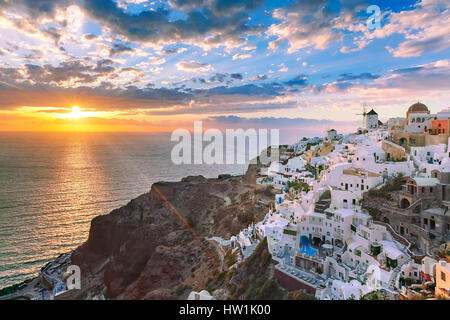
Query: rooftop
418,107
426,182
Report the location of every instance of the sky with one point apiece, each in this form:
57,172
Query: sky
153,66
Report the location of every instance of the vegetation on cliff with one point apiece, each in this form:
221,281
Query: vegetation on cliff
253,279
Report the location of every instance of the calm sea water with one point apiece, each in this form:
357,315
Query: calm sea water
52,185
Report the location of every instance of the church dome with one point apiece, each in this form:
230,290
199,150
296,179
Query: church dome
418,108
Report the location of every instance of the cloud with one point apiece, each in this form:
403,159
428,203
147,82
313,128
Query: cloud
193,66
361,76
425,27
218,77
89,36
237,76
290,129
434,76
75,71
259,77
300,80
268,122
119,48
170,51
225,22
241,56
308,23
417,47
37,8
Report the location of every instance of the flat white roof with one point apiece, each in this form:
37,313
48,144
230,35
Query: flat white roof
345,212
391,250
426,182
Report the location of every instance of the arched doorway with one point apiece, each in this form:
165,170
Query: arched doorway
404,203
386,220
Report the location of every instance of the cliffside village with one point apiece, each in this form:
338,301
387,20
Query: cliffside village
362,214
357,216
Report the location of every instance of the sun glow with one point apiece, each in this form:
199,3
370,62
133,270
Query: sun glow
76,113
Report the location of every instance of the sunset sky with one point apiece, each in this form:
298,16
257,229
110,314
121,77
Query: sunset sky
135,65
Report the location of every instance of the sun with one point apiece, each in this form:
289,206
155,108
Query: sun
74,113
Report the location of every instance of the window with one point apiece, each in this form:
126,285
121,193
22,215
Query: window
442,276
431,189
425,221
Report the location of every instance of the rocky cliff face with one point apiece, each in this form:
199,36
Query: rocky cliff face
155,247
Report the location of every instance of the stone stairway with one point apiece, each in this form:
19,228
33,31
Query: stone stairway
322,205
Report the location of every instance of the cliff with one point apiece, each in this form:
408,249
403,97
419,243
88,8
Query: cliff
155,247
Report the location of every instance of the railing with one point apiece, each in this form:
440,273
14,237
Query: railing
397,237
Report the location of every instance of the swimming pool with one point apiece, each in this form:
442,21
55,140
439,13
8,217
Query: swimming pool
308,250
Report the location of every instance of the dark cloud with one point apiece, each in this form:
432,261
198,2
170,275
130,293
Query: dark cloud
236,76
170,51
77,71
408,70
219,77
360,76
90,36
37,8
234,6
153,26
119,48
263,90
300,80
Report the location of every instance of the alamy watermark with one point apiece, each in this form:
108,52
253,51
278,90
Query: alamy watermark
374,21
73,280
191,149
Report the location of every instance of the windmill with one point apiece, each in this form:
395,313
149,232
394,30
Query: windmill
364,114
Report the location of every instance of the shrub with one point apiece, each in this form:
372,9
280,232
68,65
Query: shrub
325,195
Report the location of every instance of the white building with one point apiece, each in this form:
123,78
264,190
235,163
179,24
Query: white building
419,122
332,134
202,295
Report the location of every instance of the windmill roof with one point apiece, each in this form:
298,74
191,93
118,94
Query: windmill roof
372,112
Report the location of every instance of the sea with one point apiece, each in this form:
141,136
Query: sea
53,184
